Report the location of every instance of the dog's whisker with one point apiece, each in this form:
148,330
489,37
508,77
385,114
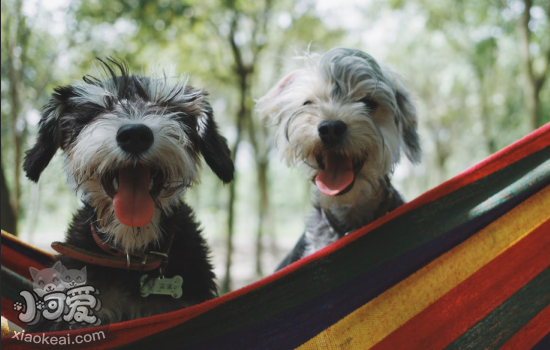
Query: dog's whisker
132,146
349,149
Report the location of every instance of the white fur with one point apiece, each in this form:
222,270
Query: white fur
372,136
96,154
306,97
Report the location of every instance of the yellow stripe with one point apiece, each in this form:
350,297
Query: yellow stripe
371,323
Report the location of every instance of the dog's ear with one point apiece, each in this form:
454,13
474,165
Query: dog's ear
49,136
269,104
408,124
213,146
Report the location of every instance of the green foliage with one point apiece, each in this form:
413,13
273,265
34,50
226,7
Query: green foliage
462,59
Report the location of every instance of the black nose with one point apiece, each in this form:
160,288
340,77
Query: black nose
332,132
135,138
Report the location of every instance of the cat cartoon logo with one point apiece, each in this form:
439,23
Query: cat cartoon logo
59,294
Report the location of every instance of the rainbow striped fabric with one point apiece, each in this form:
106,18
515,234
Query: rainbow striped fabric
464,266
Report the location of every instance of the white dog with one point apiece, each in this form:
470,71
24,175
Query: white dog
344,120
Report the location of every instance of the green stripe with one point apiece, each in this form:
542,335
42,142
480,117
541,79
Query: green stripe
12,284
503,322
385,243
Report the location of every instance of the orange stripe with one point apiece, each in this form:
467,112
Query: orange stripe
531,333
457,311
520,149
10,237
392,309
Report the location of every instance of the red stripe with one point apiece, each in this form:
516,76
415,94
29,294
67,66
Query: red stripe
531,333
140,328
520,149
25,246
18,262
462,307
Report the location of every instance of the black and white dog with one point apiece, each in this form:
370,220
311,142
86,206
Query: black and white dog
131,145
344,120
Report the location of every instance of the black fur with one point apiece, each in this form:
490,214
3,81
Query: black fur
62,119
214,149
323,228
49,134
121,94
120,289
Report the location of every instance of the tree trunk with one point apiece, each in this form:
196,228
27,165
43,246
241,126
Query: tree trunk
8,218
226,283
244,71
534,81
17,42
241,120
263,211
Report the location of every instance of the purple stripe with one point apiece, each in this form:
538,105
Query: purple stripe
294,327
543,344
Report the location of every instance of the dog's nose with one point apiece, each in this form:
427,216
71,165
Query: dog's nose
135,138
332,132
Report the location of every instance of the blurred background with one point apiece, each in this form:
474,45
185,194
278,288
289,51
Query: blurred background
478,69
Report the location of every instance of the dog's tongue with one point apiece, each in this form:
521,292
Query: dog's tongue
133,204
338,174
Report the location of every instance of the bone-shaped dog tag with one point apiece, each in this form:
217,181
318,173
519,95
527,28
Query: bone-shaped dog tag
161,285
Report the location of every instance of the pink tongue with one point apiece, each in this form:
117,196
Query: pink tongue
338,174
133,204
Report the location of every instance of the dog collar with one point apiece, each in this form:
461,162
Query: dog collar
115,257
104,246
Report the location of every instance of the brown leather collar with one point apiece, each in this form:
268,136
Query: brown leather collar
116,258
104,246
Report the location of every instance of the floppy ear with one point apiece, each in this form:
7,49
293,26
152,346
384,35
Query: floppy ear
213,146
408,124
49,137
269,104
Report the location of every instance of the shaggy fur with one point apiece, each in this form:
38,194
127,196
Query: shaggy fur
88,121
343,107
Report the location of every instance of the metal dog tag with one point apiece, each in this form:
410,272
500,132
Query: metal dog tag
161,285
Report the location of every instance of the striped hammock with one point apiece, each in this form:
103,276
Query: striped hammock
464,266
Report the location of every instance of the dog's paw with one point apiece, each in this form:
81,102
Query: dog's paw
40,305
17,306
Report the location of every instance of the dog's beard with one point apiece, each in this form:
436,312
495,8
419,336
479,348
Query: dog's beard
349,173
130,194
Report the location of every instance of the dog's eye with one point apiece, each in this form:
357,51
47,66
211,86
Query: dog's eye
41,283
370,104
67,278
308,102
79,278
55,279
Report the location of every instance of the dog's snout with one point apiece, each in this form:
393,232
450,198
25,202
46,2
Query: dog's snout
332,131
135,138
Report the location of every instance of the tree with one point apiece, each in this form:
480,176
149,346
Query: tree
531,35
26,71
474,46
8,217
246,54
